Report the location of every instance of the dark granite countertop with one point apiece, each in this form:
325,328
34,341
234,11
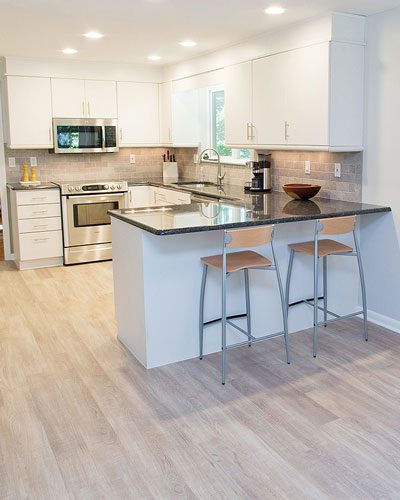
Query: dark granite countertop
249,210
227,192
16,186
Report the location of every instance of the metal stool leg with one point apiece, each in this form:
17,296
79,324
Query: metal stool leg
315,330
325,279
362,281
288,277
201,310
223,322
284,304
247,291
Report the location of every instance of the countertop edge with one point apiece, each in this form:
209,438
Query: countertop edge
238,225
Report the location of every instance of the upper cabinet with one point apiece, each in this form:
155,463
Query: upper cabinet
138,114
238,103
307,98
83,98
166,113
28,104
186,118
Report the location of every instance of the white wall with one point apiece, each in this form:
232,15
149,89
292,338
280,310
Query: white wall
381,174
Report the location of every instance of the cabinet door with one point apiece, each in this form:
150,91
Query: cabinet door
140,196
101,99
270,75
238,116
307,96
29,112
68,98
165,90
186,118
138,113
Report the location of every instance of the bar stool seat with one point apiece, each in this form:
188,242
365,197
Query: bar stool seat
237,261
325,247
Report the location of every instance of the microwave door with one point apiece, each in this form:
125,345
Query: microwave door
110,140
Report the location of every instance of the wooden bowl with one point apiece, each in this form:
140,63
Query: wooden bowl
301,191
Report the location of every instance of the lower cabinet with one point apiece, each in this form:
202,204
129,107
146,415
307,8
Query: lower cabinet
36,228
148,196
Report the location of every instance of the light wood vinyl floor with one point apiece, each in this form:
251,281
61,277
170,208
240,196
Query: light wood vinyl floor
81,418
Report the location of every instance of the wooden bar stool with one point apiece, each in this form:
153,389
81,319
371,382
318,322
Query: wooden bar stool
229,263
323,248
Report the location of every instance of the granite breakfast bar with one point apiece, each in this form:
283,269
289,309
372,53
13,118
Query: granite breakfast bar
157,271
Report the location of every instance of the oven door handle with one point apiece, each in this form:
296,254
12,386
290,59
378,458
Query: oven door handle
103,139
120,194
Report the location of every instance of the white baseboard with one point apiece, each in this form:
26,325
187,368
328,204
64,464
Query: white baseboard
385,321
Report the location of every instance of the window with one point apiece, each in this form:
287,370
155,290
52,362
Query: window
217,106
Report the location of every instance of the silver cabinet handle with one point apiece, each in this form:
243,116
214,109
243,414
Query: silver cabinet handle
39,198
247,131
130,196
83,108
120,134
38,240
169,134
287,130
251,132
37,226
88,108
40,212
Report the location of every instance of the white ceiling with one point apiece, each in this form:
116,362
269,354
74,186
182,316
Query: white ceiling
137,28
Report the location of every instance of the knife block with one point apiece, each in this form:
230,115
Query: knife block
170,170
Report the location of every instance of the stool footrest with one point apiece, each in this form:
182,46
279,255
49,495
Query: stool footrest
347,316
240,329
216,320
255,339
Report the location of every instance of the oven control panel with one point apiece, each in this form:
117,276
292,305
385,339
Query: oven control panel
89,188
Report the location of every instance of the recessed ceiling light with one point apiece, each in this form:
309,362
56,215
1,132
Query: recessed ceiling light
274,10
154,57
94,35
69,51
188,43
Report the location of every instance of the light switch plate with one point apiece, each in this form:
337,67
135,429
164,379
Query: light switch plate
33,161
307,167
132,159
11,162
338,170
196,158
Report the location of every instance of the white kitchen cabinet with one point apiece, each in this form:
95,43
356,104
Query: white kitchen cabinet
306,98
36,228
101,99
140,196
165,92
185,118
28,118
68,97
238,104
165,197
269,98
83,98
138,114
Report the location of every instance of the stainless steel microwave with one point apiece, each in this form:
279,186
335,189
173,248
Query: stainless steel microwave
85,135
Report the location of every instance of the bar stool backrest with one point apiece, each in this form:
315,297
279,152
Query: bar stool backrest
247,238
338,225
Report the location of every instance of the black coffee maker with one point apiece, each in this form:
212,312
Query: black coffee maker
261,181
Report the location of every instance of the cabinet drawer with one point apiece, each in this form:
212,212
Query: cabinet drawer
42,245
38,211
34,225
38,196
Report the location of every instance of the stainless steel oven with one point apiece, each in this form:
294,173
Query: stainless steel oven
86,225
85,135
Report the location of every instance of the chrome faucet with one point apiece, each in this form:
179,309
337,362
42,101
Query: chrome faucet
219,176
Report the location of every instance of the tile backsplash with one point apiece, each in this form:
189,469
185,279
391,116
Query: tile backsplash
287,167
94,166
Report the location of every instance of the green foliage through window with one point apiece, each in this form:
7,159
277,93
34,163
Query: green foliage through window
218,128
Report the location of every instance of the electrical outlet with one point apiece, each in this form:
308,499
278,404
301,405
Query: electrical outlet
132,159
11,162
307,167
33,161
338,170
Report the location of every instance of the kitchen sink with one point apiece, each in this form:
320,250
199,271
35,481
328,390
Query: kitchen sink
195,184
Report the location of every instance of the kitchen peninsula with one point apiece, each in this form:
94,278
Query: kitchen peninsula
157,271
